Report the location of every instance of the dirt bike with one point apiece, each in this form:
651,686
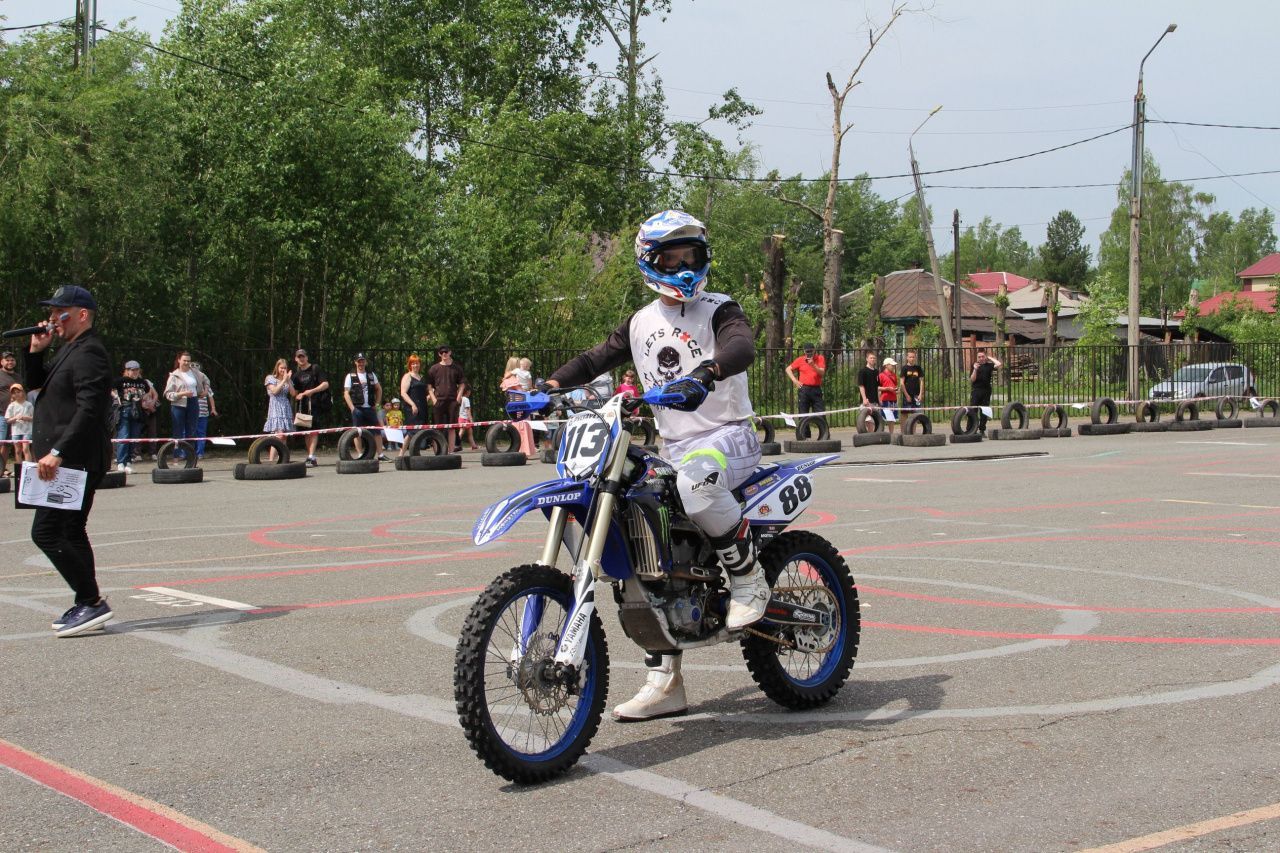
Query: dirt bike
532,666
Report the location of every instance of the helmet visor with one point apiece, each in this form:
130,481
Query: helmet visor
673,259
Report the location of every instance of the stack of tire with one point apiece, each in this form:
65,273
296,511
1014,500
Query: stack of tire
1053,423
1186,418
813,435
769,445
1268,415
964,426
870,427
1104,419
281,469
189,473
1015,411
917,431
502,447
425,450
1147,418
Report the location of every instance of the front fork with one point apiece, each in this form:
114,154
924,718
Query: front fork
573,642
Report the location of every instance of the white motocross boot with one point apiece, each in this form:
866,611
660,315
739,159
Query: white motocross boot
748,589
662,694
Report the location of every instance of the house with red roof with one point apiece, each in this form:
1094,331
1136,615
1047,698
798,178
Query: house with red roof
1257,289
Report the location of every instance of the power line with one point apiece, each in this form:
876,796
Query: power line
1212,124
460,138
903,109
59,22
1111,185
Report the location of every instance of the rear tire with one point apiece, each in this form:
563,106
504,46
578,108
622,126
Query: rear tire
796,562
562,722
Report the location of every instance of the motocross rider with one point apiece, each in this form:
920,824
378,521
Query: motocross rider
698,344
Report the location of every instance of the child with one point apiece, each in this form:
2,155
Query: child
394,416
464,417
523,375
18,415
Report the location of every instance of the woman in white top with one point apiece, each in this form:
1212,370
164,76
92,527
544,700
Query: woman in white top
183,392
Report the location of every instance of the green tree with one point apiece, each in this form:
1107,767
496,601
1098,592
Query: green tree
1064,257
1229,245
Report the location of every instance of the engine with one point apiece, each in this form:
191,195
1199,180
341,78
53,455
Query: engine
685,606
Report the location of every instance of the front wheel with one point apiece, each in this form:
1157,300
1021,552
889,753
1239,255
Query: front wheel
528,719
802,667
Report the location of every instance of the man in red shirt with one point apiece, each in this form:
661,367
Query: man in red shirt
811,368
889,392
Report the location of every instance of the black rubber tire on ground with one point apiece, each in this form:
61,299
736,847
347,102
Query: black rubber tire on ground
358,466
866,439
279,471
502,438
165,454
877,419
1252,423
1226,409
1272,406
1146,412
469,675
765,427
765,658
1060,432
6,484
1009,411
424,440
502,460
964,421
1016,434
1054,417
770,448
177,475
642,430
1101,405
812,428
965,437
1187,410
1150,426
1104,429
267,442
347,441
114,480
1228,423
930,439
917,418
1192,425
813,445
442,462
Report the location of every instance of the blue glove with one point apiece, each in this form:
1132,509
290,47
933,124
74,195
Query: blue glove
694,388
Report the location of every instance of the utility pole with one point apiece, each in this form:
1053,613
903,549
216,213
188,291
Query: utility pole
957,293
928,237
85,34
1135,221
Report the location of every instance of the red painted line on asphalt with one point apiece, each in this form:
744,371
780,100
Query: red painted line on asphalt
1180,520
1087,638
282,608
822,519
1026,605
158,821
315,570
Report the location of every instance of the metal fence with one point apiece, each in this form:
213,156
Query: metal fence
1030,374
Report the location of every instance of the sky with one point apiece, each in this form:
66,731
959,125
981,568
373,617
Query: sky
1012,77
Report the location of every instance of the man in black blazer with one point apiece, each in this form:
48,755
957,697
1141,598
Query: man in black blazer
70,430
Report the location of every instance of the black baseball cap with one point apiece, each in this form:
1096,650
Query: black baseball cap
301,353
71,296
443,348
807,347
360,357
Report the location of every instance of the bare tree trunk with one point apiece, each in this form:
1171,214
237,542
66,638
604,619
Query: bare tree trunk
771,291
871,341
789,314
1002,300
832,263
1051,315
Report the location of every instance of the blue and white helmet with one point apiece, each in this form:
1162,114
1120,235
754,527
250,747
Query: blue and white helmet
673,254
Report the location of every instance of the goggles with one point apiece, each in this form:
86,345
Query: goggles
673,259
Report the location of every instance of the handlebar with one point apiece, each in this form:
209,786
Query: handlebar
531,402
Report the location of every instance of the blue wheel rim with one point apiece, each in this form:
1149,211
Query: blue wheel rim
832,582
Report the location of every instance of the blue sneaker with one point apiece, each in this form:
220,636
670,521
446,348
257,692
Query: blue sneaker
85,617
62,620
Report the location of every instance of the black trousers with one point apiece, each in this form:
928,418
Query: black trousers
61,535
810,399
980,397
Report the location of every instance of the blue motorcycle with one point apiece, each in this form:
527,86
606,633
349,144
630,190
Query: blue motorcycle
532,666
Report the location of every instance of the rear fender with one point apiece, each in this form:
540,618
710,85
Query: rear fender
783,495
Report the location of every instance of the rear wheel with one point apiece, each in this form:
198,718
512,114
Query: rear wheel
526,718
804,667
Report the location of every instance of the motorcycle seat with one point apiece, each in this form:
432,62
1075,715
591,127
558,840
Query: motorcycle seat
760,473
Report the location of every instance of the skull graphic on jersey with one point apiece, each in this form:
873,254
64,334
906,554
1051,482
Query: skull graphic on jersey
669,364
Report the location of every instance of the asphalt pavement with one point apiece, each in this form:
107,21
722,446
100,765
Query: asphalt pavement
1073,644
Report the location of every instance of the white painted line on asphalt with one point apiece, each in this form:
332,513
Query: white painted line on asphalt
1228,443
1229,474
203,599
875,480
1215,503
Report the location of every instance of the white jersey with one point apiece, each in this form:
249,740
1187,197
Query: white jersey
669,341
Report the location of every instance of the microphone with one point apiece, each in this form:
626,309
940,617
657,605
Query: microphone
27,330
40,329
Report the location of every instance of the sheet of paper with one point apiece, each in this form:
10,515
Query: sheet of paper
889,415
224,442
395,436
789,421
64,491
1079,406
986,410
538,426
1255,403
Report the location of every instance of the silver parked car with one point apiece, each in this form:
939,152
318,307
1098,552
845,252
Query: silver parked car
1214,379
